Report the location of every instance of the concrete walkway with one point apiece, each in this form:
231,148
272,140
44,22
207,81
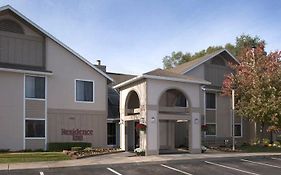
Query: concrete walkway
125,157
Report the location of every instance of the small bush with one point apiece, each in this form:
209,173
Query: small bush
39,150
256,141
27,150
266,142
76,148
60,146
88,149
276,143
4,150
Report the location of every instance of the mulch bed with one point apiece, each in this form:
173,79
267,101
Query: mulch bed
225,149
91,152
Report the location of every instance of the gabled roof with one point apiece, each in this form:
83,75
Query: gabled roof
159,74
8,7
119,77
188,66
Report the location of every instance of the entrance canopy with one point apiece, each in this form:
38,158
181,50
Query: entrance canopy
158,96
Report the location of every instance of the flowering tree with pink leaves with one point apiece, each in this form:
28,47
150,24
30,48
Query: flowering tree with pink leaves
257,84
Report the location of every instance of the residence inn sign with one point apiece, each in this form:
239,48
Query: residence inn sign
77,134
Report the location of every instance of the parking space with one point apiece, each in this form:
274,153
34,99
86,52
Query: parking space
225,166
230,166
142,169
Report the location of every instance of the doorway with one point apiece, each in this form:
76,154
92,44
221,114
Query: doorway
133,135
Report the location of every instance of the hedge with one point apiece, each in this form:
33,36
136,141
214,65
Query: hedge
60,146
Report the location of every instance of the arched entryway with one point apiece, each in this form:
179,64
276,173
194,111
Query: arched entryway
174,109
132,103
159,101
173,101
132,110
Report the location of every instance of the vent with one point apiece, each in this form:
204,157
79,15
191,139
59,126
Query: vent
10,26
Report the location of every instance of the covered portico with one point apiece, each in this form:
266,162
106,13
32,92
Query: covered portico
168,105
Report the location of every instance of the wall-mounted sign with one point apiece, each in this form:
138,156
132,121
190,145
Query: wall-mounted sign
77,134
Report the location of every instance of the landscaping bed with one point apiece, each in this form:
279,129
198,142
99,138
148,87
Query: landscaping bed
79,153
260,146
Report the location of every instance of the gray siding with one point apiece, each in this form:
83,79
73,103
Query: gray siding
35,109
223,116
198,72
34,144
11,111
21,49
215,74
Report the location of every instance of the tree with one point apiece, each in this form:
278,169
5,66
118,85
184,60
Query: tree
243,41
246,41
177,58
257,84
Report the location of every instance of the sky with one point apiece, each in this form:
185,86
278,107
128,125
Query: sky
133,36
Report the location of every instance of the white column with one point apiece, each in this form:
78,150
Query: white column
195,133
122,135
152,133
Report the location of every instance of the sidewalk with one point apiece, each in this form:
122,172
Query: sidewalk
124,157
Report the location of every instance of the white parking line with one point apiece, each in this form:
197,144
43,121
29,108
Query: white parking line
113,171
231,168
275,158
41,173
171,168
259,163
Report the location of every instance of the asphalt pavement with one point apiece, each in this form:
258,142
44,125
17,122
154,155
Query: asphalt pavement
259,165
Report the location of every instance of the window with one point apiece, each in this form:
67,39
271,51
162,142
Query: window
210,100
34,128
111,133
35,87
84,91
238,129
211,130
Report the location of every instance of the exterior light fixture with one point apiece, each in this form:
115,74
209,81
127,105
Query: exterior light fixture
196,121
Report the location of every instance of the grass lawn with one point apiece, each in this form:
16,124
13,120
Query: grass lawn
258,148
32,157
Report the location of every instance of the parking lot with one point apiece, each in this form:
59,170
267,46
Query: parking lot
270,165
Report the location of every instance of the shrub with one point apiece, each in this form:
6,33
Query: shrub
27,150
88,149
76,148
276,143
4,150
39,150
60,146
266,142
256,141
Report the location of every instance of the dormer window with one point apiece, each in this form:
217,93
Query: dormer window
8,25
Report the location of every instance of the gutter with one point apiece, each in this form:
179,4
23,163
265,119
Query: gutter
160,78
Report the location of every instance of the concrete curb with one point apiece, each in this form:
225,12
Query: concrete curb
106,161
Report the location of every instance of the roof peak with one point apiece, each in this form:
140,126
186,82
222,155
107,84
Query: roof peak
188,66
5,7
